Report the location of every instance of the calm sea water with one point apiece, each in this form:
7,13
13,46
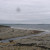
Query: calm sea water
30,26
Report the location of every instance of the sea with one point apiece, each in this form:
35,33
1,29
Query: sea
29,26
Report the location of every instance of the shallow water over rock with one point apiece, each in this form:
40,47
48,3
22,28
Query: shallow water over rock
41,34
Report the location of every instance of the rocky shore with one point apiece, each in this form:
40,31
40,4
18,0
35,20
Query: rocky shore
7,32
41,42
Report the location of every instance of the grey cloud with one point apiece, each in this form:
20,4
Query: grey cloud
32,11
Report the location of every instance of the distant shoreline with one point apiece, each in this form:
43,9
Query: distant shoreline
4,26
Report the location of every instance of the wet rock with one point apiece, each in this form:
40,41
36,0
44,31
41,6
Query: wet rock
19,44
1,39
10,41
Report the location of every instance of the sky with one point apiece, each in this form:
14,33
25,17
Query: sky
31,11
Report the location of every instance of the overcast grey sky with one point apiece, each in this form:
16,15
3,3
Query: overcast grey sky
32,11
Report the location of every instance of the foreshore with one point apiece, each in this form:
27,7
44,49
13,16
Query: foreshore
32,42
7,32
